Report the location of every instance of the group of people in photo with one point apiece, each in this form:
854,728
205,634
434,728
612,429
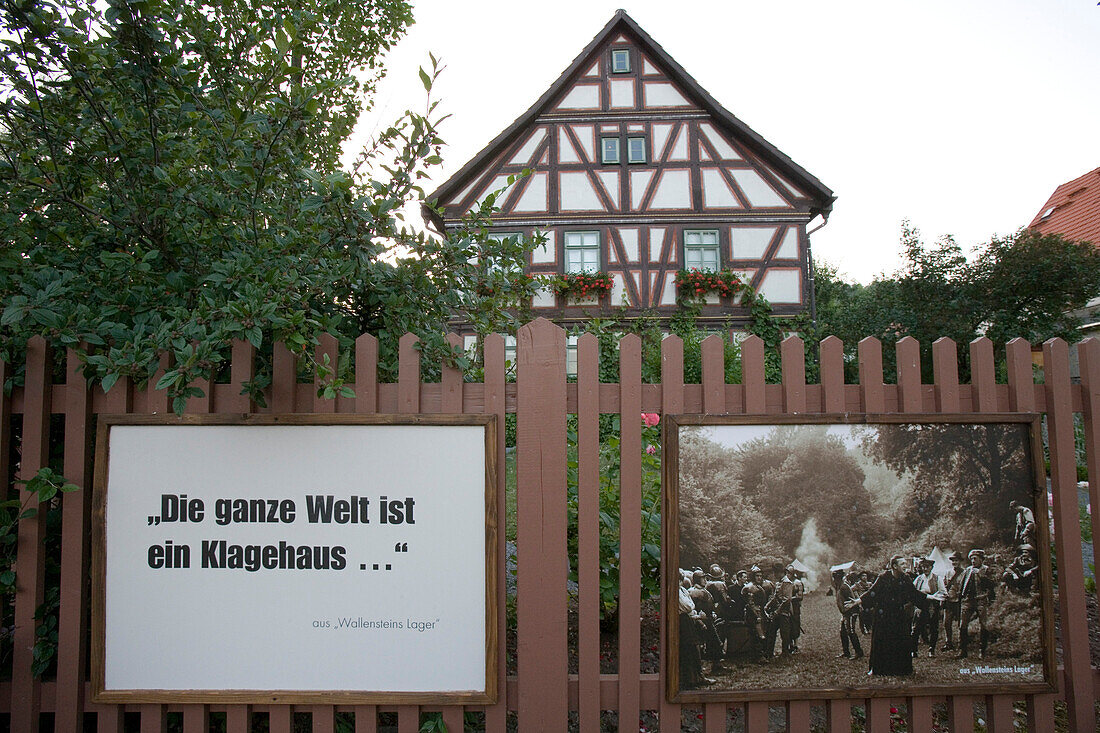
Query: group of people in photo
744,615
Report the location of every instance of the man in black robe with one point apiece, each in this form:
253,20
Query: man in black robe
891,632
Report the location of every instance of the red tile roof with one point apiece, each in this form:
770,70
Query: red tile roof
1073,210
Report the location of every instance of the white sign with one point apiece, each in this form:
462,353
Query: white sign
293,558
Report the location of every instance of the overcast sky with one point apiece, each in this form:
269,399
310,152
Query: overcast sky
961,116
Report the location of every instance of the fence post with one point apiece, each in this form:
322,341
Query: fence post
541,553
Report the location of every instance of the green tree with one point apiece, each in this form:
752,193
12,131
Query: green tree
172,181
1022,285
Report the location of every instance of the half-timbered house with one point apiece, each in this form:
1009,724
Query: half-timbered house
638,172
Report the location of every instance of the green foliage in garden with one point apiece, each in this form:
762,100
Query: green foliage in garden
172,181
1023,285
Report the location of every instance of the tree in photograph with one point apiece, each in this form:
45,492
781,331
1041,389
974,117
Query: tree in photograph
797,474
718,523
173,181
959,475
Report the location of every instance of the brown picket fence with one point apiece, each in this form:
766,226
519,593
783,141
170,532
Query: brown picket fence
542,695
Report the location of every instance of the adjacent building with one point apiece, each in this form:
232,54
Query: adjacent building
1073,211
637,173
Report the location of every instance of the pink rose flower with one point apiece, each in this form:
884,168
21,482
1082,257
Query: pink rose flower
651,449
649,419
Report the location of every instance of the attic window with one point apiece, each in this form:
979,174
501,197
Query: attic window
609,147
1046,214
620,61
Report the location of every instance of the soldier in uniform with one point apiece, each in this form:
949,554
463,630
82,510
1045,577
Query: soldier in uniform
1019,576
691,664
951,603
716,586
704,602
976,593
796,610
755,599
849,612
734,591
1025,524
861,586
779,609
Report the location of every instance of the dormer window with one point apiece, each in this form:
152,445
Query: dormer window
620,61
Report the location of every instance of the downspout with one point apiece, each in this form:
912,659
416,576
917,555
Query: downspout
810,270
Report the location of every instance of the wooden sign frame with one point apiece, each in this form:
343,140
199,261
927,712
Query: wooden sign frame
752,684
488,694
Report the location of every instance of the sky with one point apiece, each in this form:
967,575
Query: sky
961,117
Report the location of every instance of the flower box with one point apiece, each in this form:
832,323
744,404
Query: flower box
698,284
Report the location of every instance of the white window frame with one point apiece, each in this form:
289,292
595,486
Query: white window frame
604,157
584,242
702,249
618,54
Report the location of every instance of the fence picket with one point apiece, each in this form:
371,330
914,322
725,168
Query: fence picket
672,402
242,370
366,374
798,716
983,376
1079,687
945,372
630,530
832,375
281,718
793,357
408,402
496,716
1089,356
30,569
408,374
284,379
838,716
75,508
588,532
327,348
752,375
871,389
238,719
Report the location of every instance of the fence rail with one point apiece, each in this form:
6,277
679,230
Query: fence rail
542,694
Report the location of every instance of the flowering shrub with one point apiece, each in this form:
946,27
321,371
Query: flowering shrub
697,283
582,284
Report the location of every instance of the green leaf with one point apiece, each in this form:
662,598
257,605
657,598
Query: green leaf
425,80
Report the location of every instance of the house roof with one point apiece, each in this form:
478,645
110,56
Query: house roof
821,194
1073,210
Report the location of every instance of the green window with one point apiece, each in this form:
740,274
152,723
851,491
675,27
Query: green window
701,250
635,150
582,252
